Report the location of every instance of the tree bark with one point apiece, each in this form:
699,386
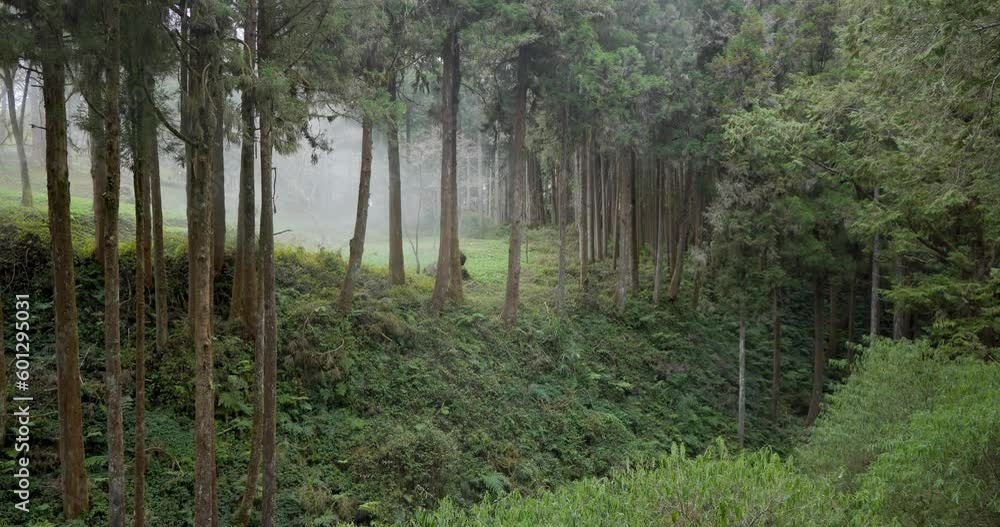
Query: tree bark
18,132
269,321
678,264
633,226
448,282
658,248
582,211
219,178
513,292
112,326
851,312
775,354
244,300
156,215
361,218
535,193
140,169
202,129
624,236
3,378
819,356
99,179
269,329
560,201
741,419
67,343
874,313
397,273
831,343
246,286
899,314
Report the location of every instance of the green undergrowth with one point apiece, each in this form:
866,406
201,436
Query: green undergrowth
389,408
714,489
912,438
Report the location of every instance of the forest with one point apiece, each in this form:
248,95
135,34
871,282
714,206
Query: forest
441,263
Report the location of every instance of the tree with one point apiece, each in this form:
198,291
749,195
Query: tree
71,454
201,115
140,172
374,92
112,315
397,273
625,239
9,76
517,217
246,285
448,282
361,217
244,301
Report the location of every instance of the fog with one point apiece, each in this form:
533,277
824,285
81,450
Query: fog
316,190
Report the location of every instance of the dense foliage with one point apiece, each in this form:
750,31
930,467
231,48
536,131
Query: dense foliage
912,438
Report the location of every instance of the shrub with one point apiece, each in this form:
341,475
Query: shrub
717,488
917,435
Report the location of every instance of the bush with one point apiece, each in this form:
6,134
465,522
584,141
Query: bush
717,488
916,435
412,464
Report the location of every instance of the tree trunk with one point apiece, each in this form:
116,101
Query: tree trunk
831,343
658,248
112,326
678,263
536,198
582,214
244,301
874,314
360,220
819,356
147,203
200,186
899,314
140,170
397,273
851,312
510,306
3,378
633,227
614,173
448,282
560,201
219,179
256,433
99,179
624,236
67,343
267,298
776,354
741,419
246,286
156,214
15,126
590,198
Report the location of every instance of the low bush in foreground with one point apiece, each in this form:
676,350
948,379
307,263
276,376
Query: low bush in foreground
716,488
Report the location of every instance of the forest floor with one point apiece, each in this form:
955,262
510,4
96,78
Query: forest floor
389,408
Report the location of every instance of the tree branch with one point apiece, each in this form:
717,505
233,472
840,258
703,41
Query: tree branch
822,165
166,122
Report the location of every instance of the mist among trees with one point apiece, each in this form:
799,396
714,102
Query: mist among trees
501,262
